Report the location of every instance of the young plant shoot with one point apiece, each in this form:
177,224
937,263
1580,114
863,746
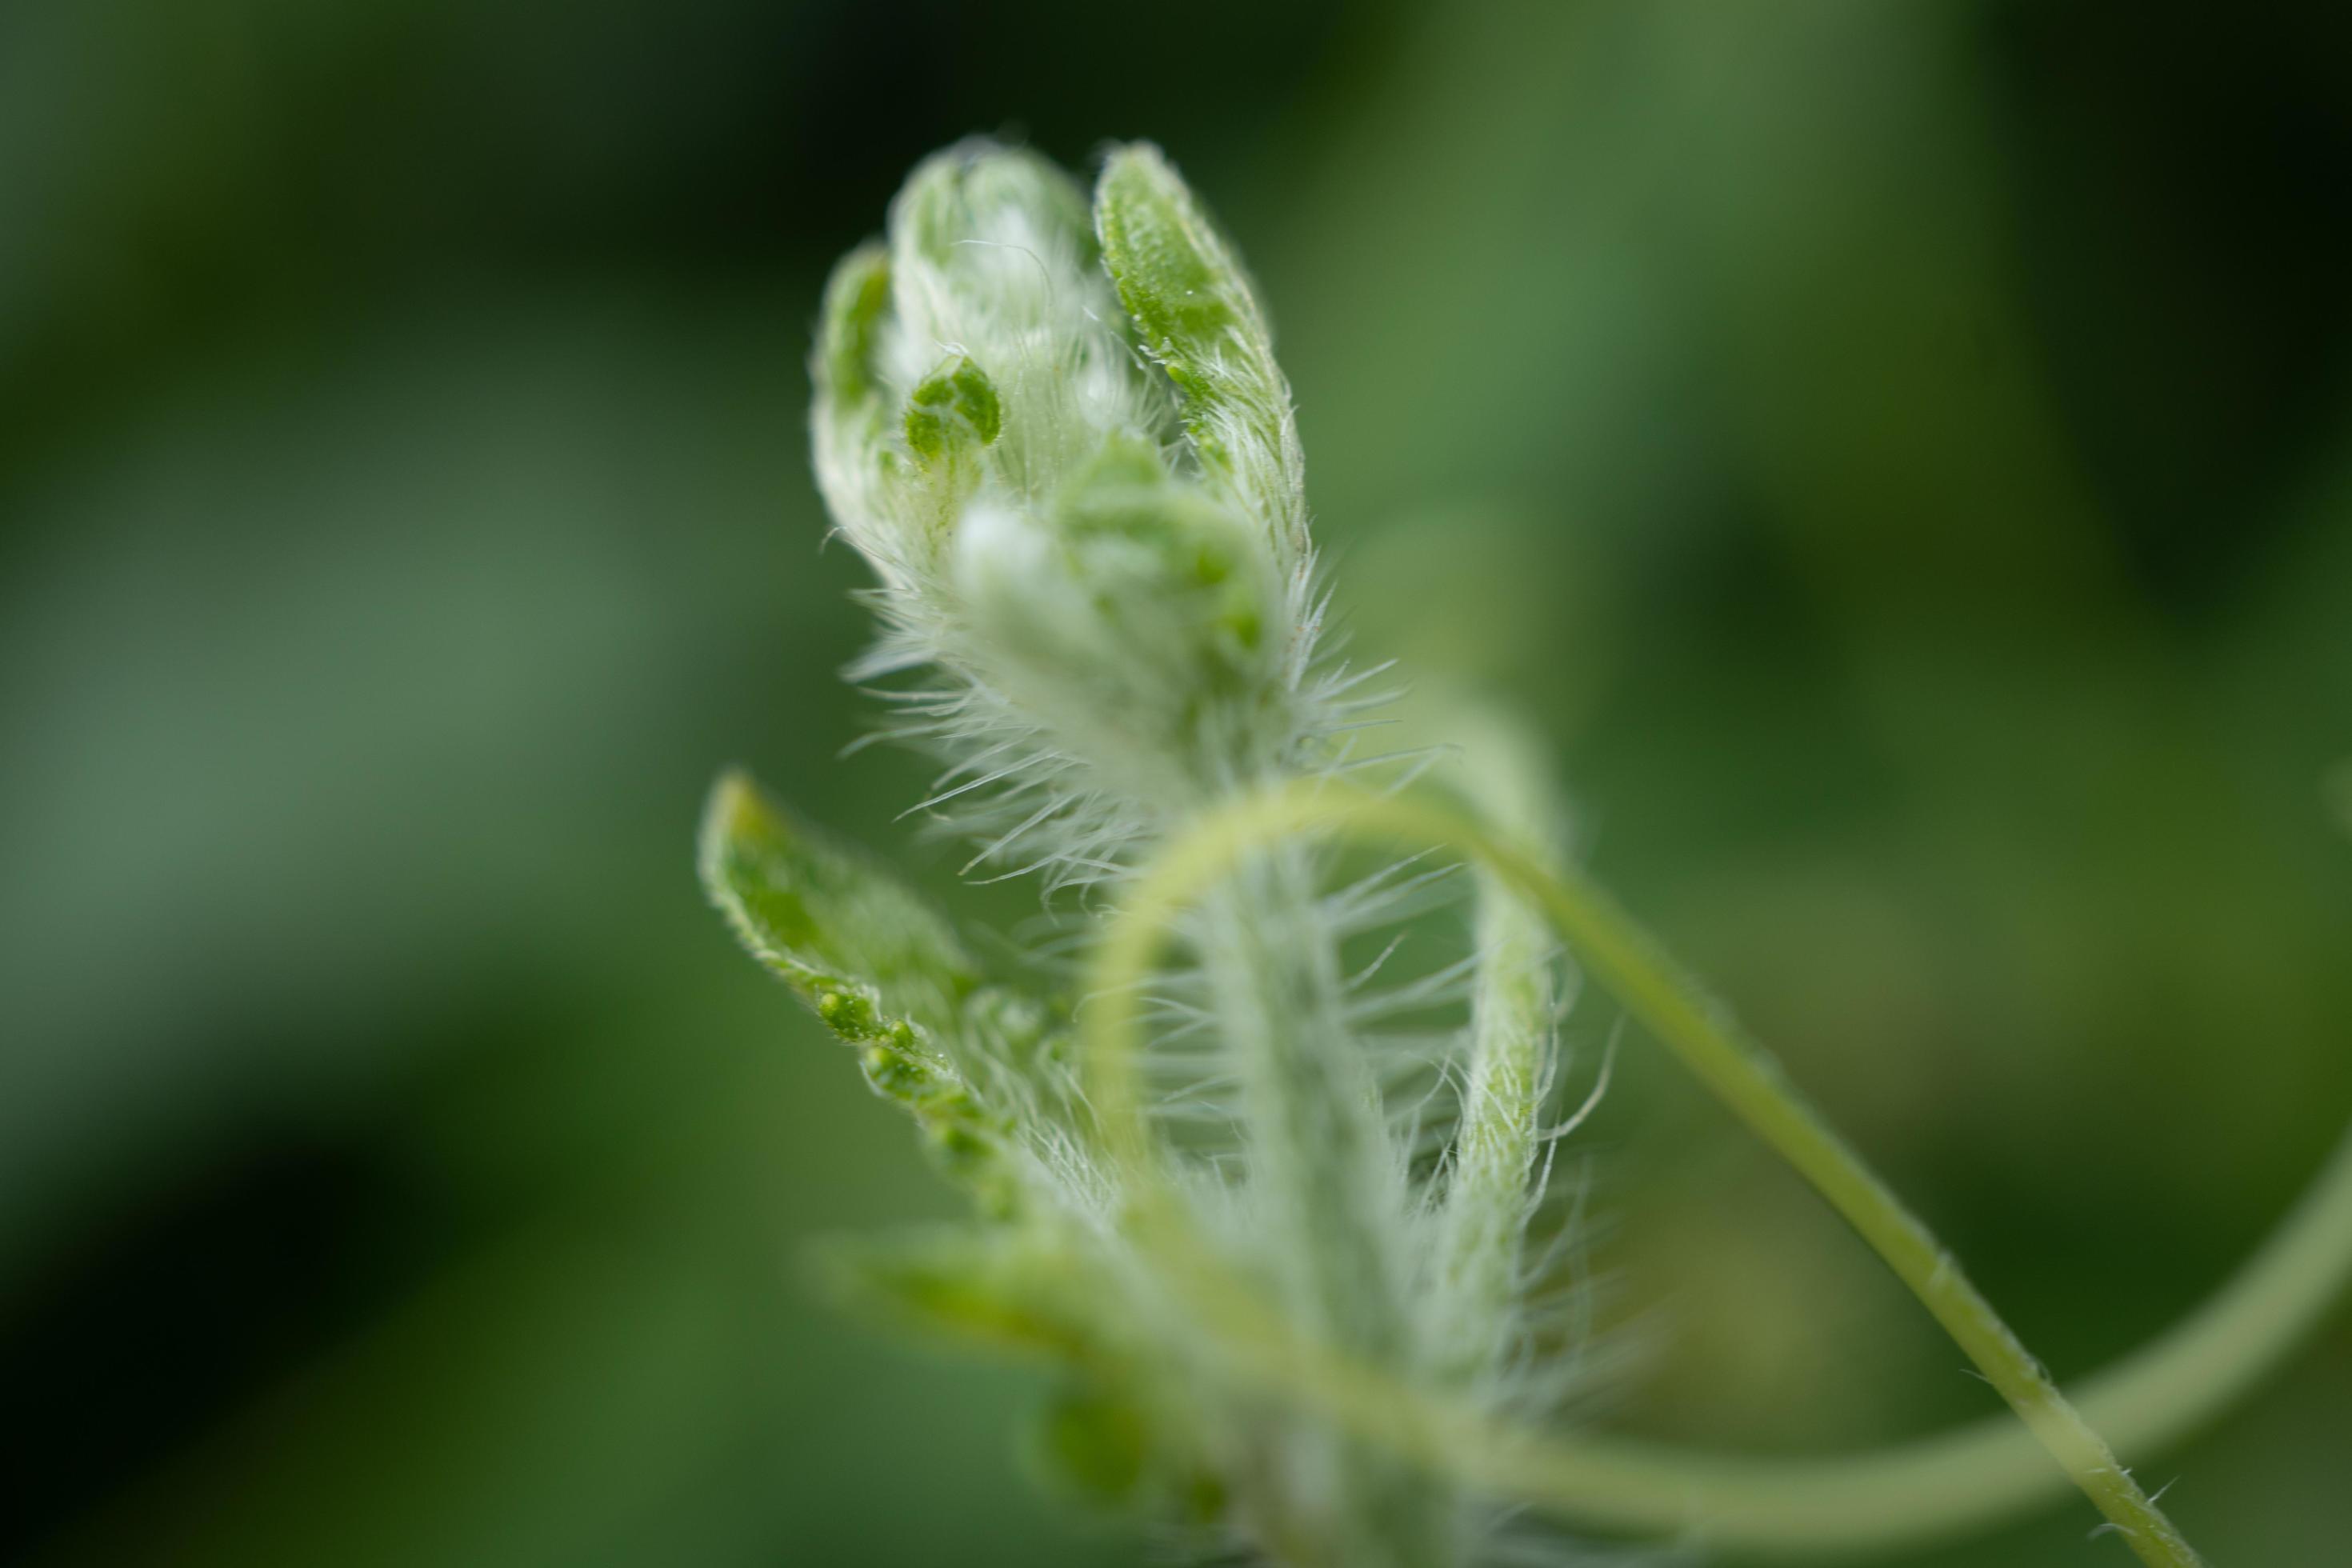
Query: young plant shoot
1290,1267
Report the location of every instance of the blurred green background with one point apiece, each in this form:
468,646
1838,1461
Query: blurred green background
1901,454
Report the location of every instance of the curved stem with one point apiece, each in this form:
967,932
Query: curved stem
1497,1149
1493,1179
1752,1084
2166,1390
1626,1486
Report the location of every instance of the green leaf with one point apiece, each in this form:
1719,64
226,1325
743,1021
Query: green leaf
1197,314
993,1287
856,298
1094,1443
865,953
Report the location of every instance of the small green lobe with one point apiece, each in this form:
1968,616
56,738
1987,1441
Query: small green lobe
1095,1443
896,1072
855,299
951,408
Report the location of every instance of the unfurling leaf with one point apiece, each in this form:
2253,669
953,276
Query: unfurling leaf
1002,1288
864,952
1198,315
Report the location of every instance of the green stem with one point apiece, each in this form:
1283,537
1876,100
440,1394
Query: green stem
1478,1244
1814,1509
2167,1389
1611,1484
1318,1141
1671,1006
1491,1186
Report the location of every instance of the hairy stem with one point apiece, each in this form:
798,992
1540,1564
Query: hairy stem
1312,1111
1814,1509
1611,1484
1492,1177
1318,1139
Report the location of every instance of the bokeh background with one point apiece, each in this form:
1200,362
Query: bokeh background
1900,454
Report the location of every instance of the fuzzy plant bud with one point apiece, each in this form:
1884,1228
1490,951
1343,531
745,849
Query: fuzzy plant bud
980,350
1058,434
1139,601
